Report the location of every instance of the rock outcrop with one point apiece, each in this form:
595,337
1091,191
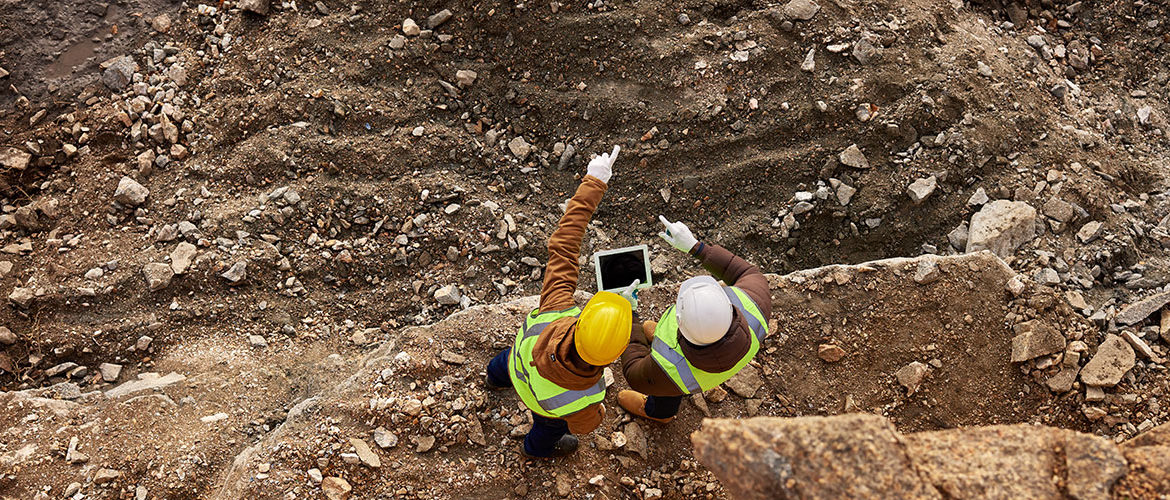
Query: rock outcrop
863,456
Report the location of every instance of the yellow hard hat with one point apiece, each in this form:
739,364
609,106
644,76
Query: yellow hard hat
603,330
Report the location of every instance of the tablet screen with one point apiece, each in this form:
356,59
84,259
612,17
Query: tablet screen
618,270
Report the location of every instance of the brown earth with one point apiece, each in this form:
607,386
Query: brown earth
317,100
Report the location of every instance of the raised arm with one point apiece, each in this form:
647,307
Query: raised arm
564,246
721,263
736,272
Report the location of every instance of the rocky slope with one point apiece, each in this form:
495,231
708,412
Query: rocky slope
257,195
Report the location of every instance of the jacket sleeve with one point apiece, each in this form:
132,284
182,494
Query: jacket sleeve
736,272
584,421
639,368
644,375
564,246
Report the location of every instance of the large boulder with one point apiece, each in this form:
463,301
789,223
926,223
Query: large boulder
1002,226
863,456
849,456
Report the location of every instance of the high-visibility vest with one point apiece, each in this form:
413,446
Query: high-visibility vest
540,394
690,380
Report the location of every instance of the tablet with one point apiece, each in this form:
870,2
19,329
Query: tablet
617,268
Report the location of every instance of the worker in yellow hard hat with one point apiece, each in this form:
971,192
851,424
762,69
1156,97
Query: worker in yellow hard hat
557,360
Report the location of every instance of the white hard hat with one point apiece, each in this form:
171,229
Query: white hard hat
703,310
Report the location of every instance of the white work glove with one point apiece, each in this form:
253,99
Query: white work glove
630,293
678,235
601,166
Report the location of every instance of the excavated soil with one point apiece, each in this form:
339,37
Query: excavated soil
355,175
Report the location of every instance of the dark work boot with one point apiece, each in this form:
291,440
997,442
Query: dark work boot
487,382
564,447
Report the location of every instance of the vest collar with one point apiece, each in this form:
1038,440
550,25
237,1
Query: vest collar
723,354
556,358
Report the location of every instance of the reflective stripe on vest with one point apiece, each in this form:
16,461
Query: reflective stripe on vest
538,393
666,351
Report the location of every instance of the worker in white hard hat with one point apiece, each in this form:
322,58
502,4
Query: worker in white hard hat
709,335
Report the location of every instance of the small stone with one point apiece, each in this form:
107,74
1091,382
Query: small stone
336,488
1142,309
1094,394
119,72
845,194
1047,276
1002,226
237,273
635,439
110,371
1060,210
410,28
983,68
920,189
1035,339
315,475
255,6
465,77
452,358
853,157
618,438
911,375
181,257
1164,326
927,272
161,23
1076,300
6,336
14,159
1015,286
367,456
958,236
158,275
801,9
1063,381
1114,358
384,438
130,192
21,296
809,64
716,395
104,476
209,419
865,52
684,19
1089,231
425,443
437,19
519,148
257,341
747,382
448,295
1140,346
979,198
830,353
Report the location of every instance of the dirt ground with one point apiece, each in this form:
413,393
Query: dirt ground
355,173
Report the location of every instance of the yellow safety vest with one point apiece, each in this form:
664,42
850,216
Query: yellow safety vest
540,394
666,351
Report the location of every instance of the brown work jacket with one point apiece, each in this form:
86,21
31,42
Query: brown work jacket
643,373
554,354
